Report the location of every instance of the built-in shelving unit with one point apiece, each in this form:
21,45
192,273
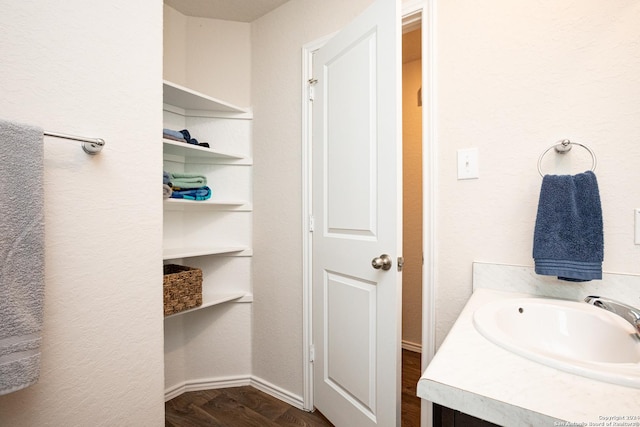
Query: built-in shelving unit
179,253
219,299
188,153
210,233
188,99
203,205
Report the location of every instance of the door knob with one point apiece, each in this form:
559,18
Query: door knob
381,262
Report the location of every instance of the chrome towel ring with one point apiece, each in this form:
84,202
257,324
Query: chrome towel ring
564,146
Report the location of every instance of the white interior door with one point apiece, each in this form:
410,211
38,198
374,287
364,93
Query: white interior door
357,192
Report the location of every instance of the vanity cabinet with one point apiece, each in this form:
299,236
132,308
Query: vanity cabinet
447,417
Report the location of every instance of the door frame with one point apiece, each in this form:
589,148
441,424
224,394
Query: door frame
412,11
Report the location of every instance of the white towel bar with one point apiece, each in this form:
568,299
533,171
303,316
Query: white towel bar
90,145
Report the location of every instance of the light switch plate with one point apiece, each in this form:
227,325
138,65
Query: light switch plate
468,163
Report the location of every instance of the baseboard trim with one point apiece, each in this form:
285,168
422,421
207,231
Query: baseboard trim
205,384
237,381
278,392
259,383
411,346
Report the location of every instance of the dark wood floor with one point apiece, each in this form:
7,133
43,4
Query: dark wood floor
237,406
248,407
410,401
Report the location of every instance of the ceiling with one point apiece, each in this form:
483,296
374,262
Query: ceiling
229,10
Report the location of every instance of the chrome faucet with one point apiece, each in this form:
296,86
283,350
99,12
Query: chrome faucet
628,313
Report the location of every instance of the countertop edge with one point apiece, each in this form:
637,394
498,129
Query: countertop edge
473,375
482,407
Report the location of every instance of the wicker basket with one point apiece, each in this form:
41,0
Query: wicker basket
182,288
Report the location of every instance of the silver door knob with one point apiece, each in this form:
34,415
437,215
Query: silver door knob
381,262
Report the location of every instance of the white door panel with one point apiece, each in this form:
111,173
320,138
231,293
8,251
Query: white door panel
357,212
350,192
349,347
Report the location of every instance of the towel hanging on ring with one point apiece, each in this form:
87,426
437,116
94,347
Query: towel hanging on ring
568,239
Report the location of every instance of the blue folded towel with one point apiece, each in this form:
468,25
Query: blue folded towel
187,136
202,193
568,240
173,133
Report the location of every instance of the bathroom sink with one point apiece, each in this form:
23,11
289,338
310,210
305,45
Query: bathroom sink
571,336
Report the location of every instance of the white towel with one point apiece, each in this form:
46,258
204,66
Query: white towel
21,254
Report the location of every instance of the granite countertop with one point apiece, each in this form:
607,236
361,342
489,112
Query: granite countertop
477,377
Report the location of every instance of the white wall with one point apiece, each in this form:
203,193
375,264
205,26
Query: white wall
174,43
513,78
93,70
211,56
225,68
276,41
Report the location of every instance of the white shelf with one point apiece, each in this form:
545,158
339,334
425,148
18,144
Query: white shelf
176,253
210,116
217,300
188,99
185,150
183,204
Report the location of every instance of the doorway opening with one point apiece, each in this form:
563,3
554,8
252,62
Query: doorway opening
411,220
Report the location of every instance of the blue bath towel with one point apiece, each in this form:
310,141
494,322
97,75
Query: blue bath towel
173,133
568,240
202,193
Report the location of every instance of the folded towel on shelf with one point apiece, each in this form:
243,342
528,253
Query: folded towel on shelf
173,133
173,138
22,254
182,136
165,177
187,136
166,191
202,193
186,181
568,239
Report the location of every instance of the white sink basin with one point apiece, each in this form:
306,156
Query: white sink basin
571,336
